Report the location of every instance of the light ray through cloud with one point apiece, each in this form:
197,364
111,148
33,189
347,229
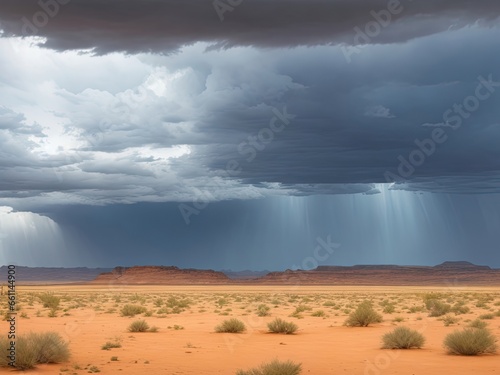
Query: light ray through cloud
31,239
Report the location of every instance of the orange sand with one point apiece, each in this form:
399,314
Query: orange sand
322,345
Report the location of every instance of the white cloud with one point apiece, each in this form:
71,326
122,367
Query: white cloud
379,111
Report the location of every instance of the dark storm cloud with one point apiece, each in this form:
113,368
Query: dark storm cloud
166,25
368,121
349,125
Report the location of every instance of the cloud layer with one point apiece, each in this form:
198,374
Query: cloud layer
166,25
161,101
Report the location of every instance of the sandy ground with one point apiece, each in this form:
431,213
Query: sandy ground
89,316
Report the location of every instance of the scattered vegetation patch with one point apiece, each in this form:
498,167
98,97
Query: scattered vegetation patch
132,310
486,316
437,307
448,320
279,325
263,310
319,314
470,341
49,300
110,345
35,348
363,316
460,308
274,368
403,338
478,324
138,326
231,326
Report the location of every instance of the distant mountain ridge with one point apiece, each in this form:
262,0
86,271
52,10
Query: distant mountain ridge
446,273
26,275
161,275
450,273
245,274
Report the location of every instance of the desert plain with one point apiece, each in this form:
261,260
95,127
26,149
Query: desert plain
184,341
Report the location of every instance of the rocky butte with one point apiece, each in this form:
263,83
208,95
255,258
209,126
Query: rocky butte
161,275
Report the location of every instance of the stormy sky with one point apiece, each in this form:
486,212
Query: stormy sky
246,133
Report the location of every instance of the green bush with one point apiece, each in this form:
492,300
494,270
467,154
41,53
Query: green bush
111,345
460,308
363,316
319,314
448,320
470,341
181,304
478,324
263,310
274,368
389,308
437,308
49,300
138,326
35,348
486,316
403,338
231,326
280,326
132,310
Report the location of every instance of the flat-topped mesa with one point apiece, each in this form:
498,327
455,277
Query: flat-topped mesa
161,275
462,265
446,274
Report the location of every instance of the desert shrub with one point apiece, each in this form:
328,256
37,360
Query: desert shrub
470,341
403,338
363,316
111,345
437,308
398,319
137,298
389,308
415,309
176,327
274,368
449,320
478,324
319,314
263,310
281,326
296,314
181,304
231,326
302,308
486,316
49,300
138,326
460,308
49,347
132,310
35,348
153,329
